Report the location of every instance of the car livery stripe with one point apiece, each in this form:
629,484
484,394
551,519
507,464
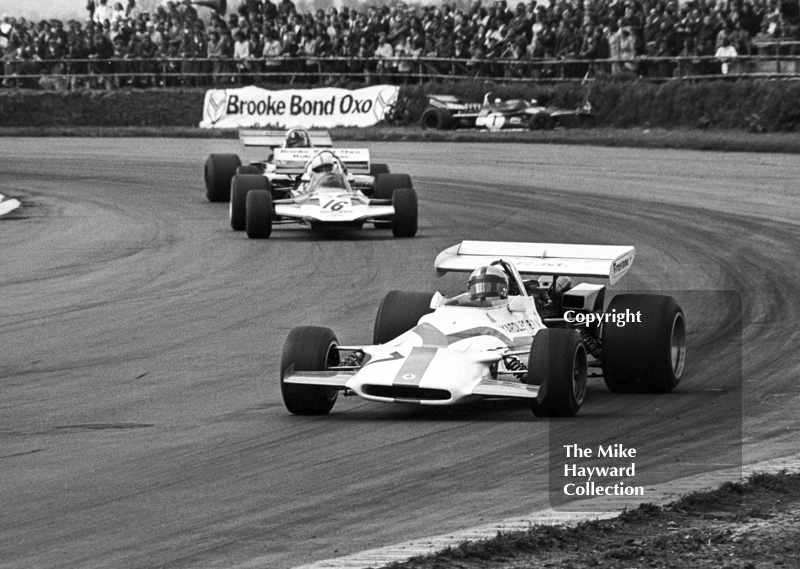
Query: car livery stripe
486,331
431,336
414,367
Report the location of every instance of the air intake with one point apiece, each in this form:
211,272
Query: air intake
406,392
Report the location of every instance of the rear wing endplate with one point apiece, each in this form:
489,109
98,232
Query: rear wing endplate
597,261
276,138
293,160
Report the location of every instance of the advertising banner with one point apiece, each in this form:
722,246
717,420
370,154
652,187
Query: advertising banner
308,108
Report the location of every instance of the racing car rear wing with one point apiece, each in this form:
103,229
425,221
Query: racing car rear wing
453,103
294,160
598,261
275,138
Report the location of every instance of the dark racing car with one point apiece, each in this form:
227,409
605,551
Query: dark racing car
447,112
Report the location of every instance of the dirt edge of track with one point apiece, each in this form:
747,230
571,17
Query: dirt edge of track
750,523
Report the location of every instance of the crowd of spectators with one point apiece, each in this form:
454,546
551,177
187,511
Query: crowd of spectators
119,45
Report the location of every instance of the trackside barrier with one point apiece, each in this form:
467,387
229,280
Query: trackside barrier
143,73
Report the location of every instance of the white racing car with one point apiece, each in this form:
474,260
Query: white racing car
225,172
536,339
325,195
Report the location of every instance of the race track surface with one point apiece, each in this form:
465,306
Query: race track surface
141,423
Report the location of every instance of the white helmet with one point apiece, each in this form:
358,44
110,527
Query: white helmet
324,162
488,282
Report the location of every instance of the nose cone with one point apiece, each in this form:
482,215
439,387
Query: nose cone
428,375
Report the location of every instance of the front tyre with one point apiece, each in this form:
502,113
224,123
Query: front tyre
434,118
398,313
557,363
385,185
219,170
647,356
259,214
404,221
241,185
309,348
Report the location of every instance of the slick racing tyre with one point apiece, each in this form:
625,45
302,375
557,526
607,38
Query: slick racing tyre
240,186
647,356
435,118
398,313
309,348
542,121
385,185
249,169
375,169
404,221
258,222
557,364
219,170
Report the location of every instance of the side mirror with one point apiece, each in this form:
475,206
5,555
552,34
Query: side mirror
436,300
518,304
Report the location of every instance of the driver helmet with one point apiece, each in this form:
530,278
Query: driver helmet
324,162
297,138
488,282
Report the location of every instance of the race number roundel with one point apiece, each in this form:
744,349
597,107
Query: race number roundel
495,121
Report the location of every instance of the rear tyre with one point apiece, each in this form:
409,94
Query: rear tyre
398,313
647,356
542,121
434,118
386,184
404,222
219,170
309,348
259,214
241,185
557,364
249,169
375,169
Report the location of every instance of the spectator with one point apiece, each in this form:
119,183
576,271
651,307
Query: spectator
571,30
763,40
101,51
102,12
146,51
740,39
118,13
132,10
272,52
726,54
627,49
241,53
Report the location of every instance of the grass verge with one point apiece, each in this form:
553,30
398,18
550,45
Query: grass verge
718,140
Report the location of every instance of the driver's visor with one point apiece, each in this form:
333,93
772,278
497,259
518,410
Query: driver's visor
493,288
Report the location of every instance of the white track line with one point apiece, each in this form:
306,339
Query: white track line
9,205
660,494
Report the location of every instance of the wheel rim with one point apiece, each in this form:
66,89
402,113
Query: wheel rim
579,374
332,359
678,345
